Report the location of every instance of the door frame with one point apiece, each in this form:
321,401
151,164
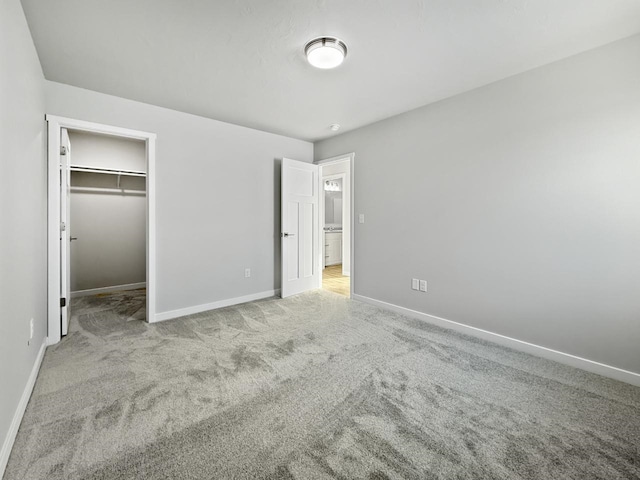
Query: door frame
323,209
351,157
65,236
54,126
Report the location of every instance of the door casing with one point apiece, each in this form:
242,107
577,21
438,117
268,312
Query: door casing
65,233
351,157
323,211
54,126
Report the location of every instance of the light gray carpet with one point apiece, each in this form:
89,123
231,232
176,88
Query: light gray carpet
311,387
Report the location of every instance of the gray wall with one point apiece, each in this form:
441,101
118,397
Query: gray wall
519,202
23,209
217,190
106,151
110,226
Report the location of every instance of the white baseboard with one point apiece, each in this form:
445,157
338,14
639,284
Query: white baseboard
544,352
160,317
7,445
115,288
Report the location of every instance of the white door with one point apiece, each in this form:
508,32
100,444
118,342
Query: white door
300,199
65,231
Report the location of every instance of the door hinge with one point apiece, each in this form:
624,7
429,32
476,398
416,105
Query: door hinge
63,302
63,150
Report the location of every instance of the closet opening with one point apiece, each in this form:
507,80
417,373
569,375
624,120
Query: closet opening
106,224
101,211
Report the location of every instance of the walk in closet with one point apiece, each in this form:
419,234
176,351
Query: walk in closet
107,197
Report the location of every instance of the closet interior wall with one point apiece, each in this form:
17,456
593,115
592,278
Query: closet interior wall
107,212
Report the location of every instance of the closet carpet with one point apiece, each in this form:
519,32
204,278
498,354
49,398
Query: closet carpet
315,386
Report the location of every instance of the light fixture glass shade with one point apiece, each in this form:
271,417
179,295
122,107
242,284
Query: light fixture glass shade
325,52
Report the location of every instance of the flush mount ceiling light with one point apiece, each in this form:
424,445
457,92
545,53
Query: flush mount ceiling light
325,52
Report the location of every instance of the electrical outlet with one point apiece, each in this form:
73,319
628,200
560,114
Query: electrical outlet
415,284
423,285
361,218
247,272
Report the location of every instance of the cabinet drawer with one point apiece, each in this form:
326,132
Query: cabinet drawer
332,248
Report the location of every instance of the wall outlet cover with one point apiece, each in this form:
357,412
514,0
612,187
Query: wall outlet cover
415,284
423,285
247,272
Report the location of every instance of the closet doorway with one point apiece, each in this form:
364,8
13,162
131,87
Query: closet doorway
105,241
106,221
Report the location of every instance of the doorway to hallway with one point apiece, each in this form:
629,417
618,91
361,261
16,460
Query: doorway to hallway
336,223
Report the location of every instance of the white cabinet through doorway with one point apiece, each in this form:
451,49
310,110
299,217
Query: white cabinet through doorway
332,248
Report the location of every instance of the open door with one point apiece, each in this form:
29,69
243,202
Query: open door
300,200
65,231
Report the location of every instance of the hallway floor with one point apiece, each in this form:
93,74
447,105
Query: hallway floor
334,281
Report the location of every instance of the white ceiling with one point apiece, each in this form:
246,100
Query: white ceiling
241,61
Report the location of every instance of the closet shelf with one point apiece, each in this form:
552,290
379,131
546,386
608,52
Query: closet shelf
119,191
109,171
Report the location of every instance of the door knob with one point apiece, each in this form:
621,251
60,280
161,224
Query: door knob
288,235
71,239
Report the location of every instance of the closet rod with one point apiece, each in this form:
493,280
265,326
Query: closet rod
130,173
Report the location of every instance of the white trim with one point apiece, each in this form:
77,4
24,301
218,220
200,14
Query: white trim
92,127
537,350
7,445
151,229
181,312
352,162
336,159
53,234
56,123
114,288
